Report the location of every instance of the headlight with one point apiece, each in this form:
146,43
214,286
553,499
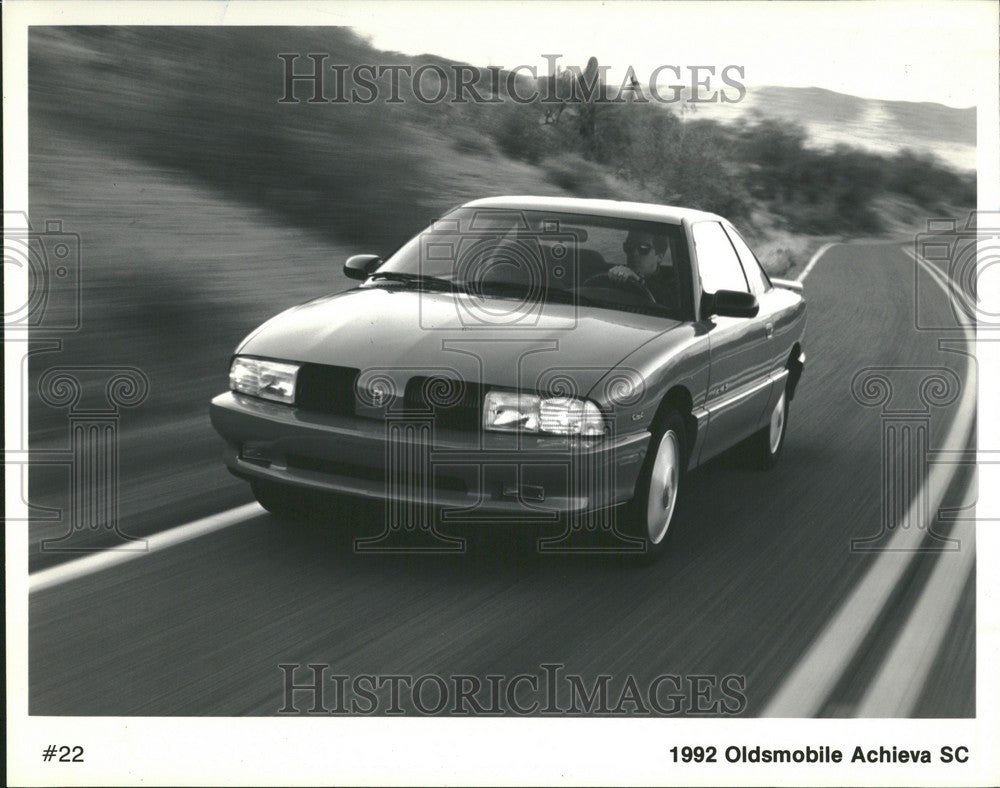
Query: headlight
510,411
266,379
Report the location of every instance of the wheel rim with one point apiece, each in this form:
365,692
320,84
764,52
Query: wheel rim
777,424
663,487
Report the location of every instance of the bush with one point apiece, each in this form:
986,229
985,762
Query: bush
519,132
926,182
698,169
577,176
816,191
467,140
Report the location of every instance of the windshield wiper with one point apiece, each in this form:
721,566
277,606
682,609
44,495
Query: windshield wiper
418,280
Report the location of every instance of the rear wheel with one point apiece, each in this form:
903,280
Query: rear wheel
652,511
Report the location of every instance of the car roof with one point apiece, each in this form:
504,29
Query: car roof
620,209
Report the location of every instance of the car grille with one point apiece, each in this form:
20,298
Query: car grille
453,404
326,389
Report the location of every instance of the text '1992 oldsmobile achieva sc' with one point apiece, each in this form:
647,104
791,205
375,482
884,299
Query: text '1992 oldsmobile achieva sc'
522,359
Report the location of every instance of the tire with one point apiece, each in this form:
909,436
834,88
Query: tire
769,441
652,513
284,501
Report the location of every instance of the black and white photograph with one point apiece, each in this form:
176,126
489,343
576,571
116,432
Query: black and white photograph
512,393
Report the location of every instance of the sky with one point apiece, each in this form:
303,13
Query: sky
910,51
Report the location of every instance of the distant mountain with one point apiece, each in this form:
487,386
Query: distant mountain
881,126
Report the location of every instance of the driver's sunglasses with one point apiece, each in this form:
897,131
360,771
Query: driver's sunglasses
640,248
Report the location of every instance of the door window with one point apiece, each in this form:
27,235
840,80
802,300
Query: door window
751,265
718,264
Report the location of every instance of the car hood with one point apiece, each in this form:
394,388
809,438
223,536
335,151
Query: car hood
403,332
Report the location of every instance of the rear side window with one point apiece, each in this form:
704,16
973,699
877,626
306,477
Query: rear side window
755,272
718,264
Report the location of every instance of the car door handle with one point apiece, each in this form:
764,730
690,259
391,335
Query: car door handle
769,329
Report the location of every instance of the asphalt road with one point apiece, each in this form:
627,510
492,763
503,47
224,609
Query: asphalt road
760,563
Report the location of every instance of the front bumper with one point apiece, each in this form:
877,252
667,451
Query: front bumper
406,458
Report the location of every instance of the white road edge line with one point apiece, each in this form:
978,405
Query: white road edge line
80,567
812,680
897,688
815,259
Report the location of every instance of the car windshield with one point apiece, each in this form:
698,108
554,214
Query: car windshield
598,261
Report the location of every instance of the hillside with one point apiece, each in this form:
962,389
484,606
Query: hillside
204,102
878,126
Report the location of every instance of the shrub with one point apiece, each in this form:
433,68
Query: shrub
467,140
577,176
519,132
926,182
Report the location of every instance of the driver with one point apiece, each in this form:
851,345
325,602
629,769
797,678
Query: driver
644,253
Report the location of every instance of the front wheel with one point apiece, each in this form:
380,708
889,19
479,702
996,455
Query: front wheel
771,439
282,500
653,508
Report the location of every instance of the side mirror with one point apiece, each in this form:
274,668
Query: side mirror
729,303
360,266
788,284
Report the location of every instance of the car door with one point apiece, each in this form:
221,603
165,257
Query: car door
778,314
739,374
771,303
